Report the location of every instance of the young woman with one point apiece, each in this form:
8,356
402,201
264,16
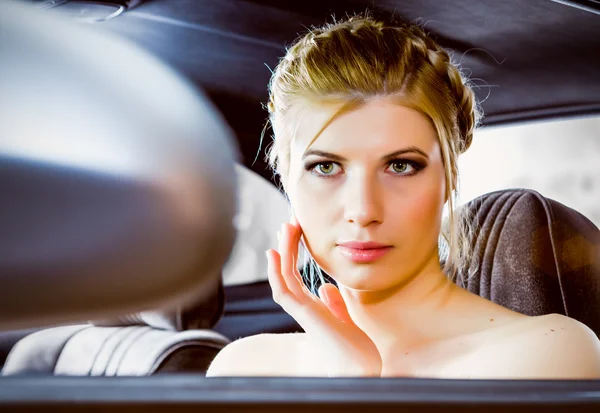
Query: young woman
369,119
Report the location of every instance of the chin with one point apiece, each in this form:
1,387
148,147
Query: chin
365,277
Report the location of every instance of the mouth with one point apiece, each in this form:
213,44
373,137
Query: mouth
363,252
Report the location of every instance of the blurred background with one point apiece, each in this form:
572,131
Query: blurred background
558,158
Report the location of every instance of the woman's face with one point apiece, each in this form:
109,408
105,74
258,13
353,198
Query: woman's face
374,175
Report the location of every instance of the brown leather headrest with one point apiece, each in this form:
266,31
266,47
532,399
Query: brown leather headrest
535,256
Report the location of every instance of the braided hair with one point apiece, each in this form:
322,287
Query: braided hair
362,58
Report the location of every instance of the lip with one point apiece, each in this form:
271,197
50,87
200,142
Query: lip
361,245
363,252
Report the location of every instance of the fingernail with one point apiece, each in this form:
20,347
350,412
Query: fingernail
294,220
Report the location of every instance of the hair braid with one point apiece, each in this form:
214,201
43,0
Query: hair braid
360,59
467,112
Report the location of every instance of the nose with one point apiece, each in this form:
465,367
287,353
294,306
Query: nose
363,200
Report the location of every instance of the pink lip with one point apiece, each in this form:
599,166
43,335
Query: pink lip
363,252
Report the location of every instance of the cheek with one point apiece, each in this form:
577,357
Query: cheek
312,213
423,210
317,213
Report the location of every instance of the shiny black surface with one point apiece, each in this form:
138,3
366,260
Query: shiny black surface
186,393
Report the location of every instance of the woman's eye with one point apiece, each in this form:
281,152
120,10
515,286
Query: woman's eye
325,168
401,167
330,169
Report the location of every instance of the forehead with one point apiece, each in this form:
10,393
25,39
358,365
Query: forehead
374,127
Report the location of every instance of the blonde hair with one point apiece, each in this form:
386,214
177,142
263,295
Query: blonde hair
361,58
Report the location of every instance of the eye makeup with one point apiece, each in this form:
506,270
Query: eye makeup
325,168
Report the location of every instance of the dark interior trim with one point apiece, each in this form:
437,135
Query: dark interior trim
591,6
538,114
299,394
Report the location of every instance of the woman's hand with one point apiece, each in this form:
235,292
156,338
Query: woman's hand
342,346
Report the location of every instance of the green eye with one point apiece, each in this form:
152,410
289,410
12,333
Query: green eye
325,168
399,167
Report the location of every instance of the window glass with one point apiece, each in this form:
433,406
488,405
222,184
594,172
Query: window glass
559,159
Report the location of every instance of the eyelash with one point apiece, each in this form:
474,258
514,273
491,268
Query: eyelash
417,167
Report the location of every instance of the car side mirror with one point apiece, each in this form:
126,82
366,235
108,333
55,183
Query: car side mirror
116,177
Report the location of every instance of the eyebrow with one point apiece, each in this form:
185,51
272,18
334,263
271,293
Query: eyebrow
388,157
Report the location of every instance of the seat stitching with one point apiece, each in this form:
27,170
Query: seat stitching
515,197
142,332
58,353
478,207
116,331
489,234
550,217
492,254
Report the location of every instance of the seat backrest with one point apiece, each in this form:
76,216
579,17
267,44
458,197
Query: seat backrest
86,350
535,255
152,342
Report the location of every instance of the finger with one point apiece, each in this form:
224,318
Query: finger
334,301
289,259
299,276
290,236
296,252
276,281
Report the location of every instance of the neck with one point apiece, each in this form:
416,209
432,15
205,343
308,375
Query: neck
406,314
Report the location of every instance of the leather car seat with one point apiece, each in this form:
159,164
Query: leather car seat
140,344
535,255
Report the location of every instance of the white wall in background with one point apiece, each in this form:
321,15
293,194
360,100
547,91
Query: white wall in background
559,159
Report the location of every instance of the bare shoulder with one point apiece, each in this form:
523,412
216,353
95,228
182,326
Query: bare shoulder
259,355
551,347
555,331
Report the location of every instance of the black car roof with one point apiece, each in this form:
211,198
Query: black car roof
530,59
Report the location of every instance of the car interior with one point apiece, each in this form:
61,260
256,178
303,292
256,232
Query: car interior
137,202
